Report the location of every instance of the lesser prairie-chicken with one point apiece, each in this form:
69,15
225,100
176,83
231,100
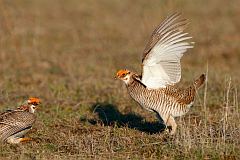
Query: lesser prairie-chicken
155,89
14,124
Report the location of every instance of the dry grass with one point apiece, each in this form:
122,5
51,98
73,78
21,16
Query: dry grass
67,52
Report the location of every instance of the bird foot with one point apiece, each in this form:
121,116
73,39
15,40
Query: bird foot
170,130
25,139
16,140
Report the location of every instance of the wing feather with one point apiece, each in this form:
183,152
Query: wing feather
162,55
14,122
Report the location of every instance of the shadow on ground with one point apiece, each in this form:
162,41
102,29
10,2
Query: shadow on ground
109,115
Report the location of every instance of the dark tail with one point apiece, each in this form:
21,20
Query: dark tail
199,82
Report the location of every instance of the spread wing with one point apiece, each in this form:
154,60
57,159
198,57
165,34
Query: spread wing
161,57
12,122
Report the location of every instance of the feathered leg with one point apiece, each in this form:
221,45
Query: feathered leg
171,122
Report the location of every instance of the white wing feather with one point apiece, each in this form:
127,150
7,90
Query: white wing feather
161,63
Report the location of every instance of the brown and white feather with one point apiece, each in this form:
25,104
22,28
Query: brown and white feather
12,122
163,52
155,89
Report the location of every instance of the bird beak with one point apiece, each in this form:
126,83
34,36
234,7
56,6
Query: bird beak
37,106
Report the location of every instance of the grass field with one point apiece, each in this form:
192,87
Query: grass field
67,53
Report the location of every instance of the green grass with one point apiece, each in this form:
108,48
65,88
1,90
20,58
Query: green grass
67,53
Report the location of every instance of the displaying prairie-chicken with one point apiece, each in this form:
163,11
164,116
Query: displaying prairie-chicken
14,124
155,88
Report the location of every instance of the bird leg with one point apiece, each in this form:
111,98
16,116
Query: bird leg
172,124
168,121
25,139
15,140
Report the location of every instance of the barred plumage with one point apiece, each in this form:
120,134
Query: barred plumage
16,123
155,89
13,122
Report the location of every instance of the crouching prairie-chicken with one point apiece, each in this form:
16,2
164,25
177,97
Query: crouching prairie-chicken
14,124
155,88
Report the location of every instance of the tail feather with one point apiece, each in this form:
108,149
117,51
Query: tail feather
199,82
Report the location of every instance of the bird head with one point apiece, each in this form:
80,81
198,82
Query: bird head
33,103
124,75
31,106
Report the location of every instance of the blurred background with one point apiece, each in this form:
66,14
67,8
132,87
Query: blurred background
67,53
